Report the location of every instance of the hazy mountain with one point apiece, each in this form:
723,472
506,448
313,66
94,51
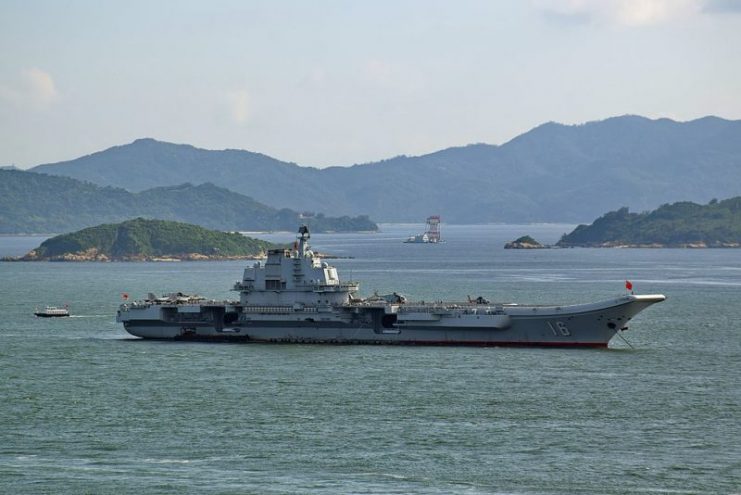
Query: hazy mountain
147,163
552,173
32,202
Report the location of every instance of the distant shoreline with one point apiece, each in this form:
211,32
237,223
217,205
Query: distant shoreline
343,232
148,259
691,245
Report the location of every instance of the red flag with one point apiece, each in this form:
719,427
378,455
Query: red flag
124,296
628,285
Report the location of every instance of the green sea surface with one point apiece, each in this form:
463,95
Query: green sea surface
87,408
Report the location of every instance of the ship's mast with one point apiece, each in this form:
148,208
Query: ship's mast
303,240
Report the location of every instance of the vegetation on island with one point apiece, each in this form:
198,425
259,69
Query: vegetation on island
140,239
39,203
524,242
683,224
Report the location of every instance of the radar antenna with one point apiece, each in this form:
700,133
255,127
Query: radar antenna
303,238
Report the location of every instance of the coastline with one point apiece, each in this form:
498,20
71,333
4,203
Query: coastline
657,245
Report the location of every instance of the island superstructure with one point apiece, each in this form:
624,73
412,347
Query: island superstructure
294,296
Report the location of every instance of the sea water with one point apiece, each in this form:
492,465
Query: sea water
86,408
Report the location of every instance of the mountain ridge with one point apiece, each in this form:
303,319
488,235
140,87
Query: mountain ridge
553,172
40,203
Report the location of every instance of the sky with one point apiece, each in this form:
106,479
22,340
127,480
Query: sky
326,82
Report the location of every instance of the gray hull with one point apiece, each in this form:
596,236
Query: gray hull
586,325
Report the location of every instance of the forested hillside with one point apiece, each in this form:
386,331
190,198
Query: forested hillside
40,203
683,224
141,239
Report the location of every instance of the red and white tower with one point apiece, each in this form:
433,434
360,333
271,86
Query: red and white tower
433,228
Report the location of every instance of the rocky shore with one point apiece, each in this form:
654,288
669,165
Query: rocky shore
93,254
659,245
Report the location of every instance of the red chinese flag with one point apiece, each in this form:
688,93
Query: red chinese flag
628,285
125,296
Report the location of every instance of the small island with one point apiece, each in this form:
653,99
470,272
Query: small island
147,240
678,225
525,242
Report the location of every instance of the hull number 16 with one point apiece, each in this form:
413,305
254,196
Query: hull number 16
559,329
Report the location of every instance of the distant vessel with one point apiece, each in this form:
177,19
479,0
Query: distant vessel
52,312
431,235
296,297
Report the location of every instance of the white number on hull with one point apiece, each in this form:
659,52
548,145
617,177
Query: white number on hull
559,329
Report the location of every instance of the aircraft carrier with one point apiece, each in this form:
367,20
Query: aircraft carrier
295,297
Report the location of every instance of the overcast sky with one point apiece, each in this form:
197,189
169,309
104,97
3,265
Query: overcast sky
340,82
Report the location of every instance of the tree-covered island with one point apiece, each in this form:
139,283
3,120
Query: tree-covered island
524,242
684,224
148,240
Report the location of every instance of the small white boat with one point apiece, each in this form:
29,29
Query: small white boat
52,312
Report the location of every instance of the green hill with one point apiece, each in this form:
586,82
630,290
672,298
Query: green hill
684,224
39,203
141,239
524,242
